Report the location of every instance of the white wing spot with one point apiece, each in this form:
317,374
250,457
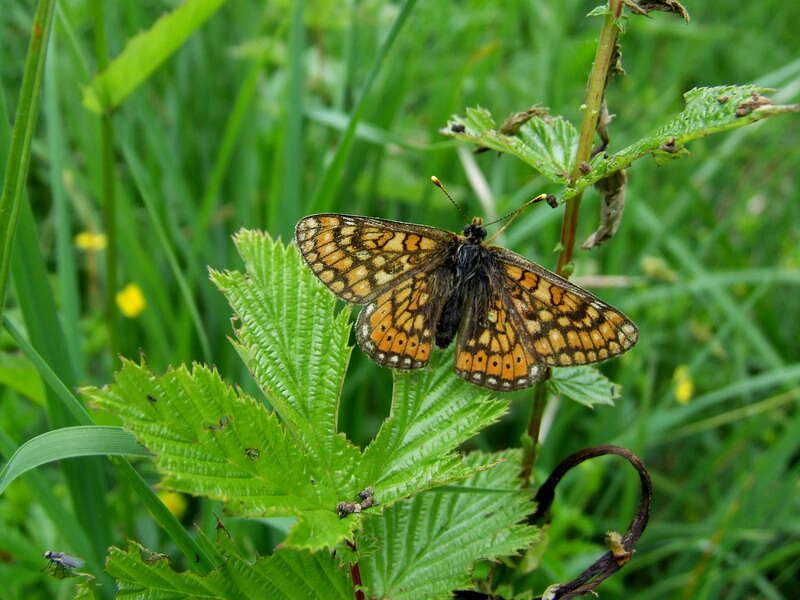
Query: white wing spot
394,359
491,380
407,361
477,376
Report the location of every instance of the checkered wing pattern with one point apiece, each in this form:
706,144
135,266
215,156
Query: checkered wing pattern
362,258
492,350
398,328
561,323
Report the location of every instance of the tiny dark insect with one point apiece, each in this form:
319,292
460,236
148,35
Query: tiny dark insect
152,399
252,453
422,285
61,565
457,128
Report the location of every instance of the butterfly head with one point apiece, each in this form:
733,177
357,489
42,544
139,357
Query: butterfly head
474,232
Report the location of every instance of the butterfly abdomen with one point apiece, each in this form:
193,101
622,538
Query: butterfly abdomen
471,281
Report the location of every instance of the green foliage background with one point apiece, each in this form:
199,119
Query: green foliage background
236,129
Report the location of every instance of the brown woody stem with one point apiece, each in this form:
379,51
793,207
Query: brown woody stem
595,90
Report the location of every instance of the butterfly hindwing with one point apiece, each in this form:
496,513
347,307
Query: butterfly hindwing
491,349
397,329
563,324
360,258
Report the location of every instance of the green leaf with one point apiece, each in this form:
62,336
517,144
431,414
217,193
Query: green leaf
144,53
545,142
708,110
214,440
210,439
599,11
430,542
433,412
586,385
68,442
294,342
286,575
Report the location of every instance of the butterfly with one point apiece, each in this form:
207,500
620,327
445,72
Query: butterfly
423,285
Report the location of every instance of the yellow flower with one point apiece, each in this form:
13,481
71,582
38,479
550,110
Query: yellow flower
88,240
131,301
684,384
176,503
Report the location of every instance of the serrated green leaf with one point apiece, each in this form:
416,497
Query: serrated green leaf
433,412
144,53
585,384
213,440
429,543
708,110
289,335
68,442
286,575
599,11
547,143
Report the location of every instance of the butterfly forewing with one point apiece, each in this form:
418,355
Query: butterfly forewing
563,324
359,258
518,318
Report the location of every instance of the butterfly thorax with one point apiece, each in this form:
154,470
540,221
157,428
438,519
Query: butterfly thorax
471,261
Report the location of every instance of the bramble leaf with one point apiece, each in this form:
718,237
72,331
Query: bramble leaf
429,543
285,575
584,384
545,142
212,439
413,450
708,110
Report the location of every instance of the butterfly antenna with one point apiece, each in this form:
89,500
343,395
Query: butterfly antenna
440,185
515,213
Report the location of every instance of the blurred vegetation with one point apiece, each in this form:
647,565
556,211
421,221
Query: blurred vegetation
236,130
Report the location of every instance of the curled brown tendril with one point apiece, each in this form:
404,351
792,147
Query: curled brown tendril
622,547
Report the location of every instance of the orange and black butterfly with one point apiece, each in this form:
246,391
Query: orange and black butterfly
423,285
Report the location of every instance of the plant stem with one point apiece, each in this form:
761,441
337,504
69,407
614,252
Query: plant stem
355,574
595,90
534,424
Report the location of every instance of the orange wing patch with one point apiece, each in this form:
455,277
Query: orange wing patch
491,352
565,325
360,257
396,330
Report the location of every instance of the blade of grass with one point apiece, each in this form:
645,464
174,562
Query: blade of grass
287,212
329,184
19,155
69,442
65,258
230,136
143,186
107,187
85,478
198,559
60,515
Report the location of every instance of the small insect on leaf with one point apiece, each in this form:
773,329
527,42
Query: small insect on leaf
61,565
